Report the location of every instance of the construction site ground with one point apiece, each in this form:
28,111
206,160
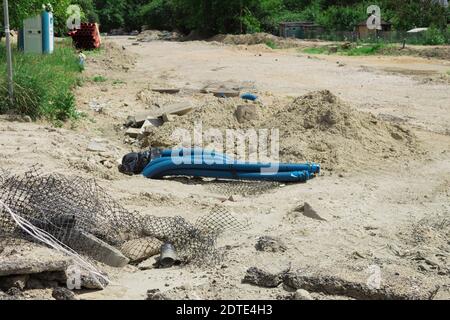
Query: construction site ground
391,212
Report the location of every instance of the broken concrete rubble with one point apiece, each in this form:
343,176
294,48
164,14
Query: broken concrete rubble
166,90
97,145
133,132
270,244
98,249
63,294
226,93
179,109
263,278
246,112
24,265
167,117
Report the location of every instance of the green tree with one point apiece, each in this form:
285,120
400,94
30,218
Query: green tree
111,13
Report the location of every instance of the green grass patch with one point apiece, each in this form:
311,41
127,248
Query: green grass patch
271,44
448,72
316,50
118,81
42,84
357,50
363,50
99,79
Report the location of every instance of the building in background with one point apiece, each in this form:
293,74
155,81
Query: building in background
299,29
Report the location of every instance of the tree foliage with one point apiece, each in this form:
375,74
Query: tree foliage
235,16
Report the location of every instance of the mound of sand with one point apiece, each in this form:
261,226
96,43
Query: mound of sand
315,127
320,127
154,35
257,38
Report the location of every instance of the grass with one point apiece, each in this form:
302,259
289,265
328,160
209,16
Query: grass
448,72
271,44
42,83
118,81
359,50
316,50
364,50
99,79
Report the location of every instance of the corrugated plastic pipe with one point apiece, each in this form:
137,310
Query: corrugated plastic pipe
155,167
292,176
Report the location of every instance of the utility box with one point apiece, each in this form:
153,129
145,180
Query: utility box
37,35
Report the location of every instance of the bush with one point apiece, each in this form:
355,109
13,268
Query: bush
43,84
433,36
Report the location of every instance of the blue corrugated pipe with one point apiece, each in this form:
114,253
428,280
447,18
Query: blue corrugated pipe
202,163
293,176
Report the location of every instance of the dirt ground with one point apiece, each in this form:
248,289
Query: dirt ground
389,211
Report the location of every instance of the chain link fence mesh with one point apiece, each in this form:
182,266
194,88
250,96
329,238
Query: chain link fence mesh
80,214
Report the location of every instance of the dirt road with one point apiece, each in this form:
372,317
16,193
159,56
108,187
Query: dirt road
389,214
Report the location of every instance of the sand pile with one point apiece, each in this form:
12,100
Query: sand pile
154,35
315,127
257,38
320,127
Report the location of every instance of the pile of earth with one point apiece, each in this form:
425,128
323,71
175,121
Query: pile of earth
257,38
154,35
317,127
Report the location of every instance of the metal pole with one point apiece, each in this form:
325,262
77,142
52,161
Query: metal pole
8,52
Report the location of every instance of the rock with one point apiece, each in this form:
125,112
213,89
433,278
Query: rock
140,249
95,106
166,90
133,132
263,278
27,119
29,265
168,117
63,294
156,294
19,282
179,109
270,244
150,263
309,212
138,120
226,93
92,282
246,112
317,281
97,145
150,124
302,294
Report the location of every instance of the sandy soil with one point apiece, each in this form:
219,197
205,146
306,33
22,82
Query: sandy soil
391,214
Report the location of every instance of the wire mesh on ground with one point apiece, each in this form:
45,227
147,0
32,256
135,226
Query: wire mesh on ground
73,211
